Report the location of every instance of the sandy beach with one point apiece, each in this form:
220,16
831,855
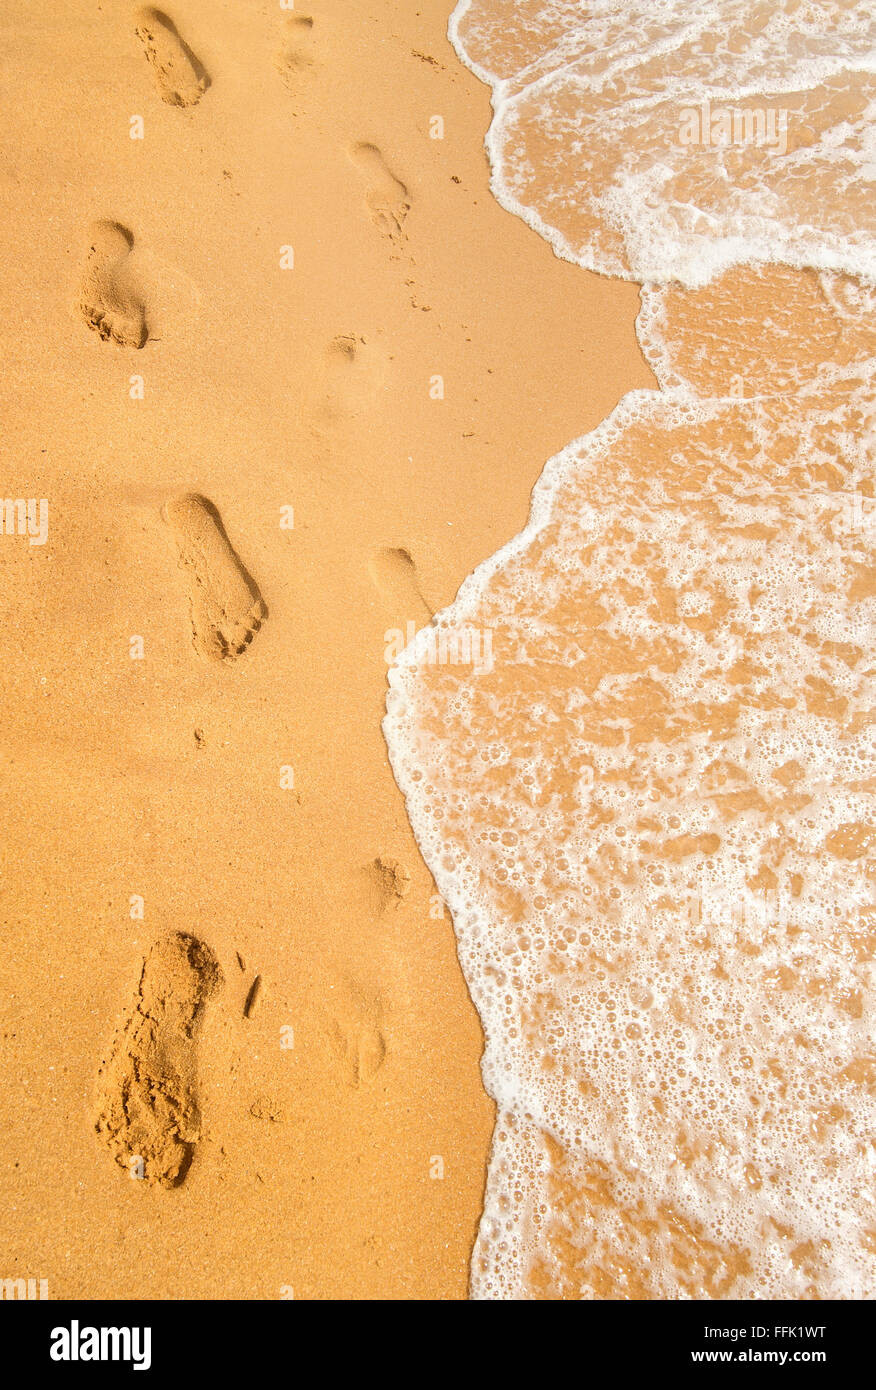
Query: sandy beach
285,373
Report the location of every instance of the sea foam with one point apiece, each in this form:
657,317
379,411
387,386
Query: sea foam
651,814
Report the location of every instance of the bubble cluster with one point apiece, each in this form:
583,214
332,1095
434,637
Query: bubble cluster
653,817
660,870
665,140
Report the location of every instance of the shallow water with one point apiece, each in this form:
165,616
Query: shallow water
651,810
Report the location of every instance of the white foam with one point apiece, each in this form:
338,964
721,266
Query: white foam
651,816
633,199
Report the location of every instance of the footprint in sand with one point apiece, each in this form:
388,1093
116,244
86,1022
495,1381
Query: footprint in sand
387,197
352,377
107,300
394,573
388,883
295,52
357,1034
226,606
148,1113
179,76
